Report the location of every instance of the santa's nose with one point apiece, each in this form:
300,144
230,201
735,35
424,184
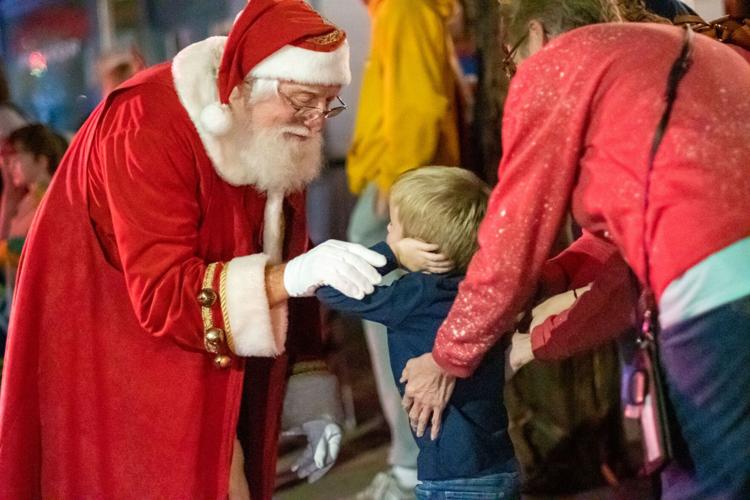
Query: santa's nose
315,123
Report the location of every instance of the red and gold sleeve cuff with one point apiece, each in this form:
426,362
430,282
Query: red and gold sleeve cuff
217,333
237,318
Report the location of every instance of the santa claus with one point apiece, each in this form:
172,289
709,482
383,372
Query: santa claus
153,334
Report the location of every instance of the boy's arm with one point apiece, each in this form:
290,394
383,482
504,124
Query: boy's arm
391,263
375,306
388,305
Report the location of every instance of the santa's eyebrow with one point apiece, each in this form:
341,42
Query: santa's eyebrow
305,94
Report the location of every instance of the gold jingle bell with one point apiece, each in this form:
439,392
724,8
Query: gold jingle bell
222,361
214,335
206,297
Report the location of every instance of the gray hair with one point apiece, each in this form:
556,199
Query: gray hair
558,16
263,88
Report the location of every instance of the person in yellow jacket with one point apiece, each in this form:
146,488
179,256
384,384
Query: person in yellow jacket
408,117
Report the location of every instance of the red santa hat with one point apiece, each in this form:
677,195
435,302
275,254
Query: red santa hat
282,40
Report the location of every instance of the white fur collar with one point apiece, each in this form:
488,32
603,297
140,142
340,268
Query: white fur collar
194,70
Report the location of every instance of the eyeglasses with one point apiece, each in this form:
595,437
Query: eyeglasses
509,63
313,112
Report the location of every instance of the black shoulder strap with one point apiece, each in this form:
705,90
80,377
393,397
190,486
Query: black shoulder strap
676,73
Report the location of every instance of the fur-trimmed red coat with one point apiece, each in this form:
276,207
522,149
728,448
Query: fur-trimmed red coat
108,389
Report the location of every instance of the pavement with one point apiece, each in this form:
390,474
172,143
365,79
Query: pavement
361,458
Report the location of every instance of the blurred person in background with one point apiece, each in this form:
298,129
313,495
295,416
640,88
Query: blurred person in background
115,67
158,309
30,156
11,117
408,117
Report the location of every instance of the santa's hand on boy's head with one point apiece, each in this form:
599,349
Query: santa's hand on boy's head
417,255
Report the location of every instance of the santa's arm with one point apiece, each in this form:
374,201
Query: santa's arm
217,306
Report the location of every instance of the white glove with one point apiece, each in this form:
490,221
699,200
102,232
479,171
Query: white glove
347,267
323,445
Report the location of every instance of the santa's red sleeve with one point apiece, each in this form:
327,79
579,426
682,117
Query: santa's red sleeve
152,195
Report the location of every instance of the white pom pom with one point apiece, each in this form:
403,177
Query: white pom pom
216,118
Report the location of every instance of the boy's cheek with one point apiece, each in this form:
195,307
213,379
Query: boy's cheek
390,240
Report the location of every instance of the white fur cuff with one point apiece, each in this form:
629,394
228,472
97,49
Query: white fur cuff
256,329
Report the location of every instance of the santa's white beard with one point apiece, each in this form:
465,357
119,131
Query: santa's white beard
267,158
276,161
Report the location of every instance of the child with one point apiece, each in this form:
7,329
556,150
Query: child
442,206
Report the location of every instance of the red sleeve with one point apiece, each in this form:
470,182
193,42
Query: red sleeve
598,316
543,136
150,186
577,265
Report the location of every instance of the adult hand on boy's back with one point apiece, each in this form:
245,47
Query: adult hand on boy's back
416,255
428,389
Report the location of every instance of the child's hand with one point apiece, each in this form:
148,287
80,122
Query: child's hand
518,354
417,255
555,305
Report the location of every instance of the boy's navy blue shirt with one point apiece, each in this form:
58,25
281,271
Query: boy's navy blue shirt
473,440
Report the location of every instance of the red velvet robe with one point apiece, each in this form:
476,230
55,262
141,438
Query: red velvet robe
108,391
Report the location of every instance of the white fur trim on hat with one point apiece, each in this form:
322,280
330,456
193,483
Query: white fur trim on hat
306,66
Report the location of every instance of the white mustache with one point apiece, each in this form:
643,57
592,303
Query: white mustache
301,131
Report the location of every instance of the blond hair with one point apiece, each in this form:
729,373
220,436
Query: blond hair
442,205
